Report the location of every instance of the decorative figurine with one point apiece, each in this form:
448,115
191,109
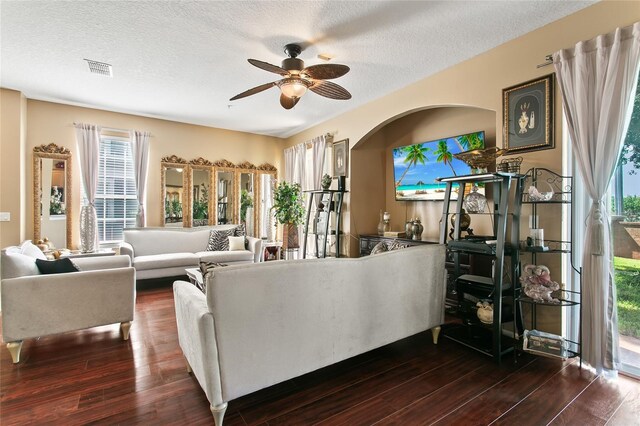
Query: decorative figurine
537,284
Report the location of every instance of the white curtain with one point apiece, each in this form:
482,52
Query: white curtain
597,81
318,145
140,153
88,140
289,164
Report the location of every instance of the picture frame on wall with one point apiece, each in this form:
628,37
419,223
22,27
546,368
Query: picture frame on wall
341,158
528,115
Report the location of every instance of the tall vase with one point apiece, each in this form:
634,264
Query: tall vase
417,230
88,229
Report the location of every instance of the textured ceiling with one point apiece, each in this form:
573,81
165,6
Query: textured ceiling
183,60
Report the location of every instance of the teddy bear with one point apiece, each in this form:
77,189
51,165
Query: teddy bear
537,284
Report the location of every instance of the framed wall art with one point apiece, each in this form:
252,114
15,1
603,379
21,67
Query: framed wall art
341,158
528,115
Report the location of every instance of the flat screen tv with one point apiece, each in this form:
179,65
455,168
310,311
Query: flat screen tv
416,167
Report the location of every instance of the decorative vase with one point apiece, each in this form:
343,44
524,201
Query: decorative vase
326,182
408,228
475,202
290,236
485,312
417,229
465,221
88,229
381,225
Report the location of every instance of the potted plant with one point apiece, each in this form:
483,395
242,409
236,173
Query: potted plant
245,202
289,211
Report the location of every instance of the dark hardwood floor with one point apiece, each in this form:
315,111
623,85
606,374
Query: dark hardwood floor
92,376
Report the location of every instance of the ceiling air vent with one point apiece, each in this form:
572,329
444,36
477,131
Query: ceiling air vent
100,68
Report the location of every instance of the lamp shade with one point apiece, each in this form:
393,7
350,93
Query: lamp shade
293,87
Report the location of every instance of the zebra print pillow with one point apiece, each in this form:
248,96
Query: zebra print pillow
241,230
219,239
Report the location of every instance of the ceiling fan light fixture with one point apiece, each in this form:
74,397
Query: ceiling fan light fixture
293,87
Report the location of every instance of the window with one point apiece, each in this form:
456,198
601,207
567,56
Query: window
116,203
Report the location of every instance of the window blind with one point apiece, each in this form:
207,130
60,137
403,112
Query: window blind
116,203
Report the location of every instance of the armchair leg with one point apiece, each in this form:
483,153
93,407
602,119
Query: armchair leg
14,350
125,327
218,413
436,332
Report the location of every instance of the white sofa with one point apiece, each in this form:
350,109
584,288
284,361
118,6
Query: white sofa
167,252
33,305
261,325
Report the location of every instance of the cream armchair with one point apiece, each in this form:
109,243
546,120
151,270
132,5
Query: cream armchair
33,305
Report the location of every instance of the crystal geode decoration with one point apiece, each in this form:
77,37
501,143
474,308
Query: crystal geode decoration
475,202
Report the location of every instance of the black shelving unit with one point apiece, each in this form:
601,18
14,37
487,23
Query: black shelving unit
562,187
507,194
317,224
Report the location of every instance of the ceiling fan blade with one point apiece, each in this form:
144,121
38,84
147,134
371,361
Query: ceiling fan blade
329,90
325,71
287,102
253,91
268,67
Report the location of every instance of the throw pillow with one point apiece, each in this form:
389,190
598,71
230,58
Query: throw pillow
241,230
60,266
219,239
379,248
395,245
29,249
17,264
236,243
207,268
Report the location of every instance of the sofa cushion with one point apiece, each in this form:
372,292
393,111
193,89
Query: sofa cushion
58,266
18,265
169,260
29,249
226,256
236,243
219,239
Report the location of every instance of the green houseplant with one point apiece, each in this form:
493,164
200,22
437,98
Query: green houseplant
245,202
289,211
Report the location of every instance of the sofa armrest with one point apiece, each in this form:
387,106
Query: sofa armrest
255,247
39,305
197,338
127,249
102,262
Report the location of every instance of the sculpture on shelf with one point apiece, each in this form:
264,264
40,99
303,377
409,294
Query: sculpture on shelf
485,312
537,284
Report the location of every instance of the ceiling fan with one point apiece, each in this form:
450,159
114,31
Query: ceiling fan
297,79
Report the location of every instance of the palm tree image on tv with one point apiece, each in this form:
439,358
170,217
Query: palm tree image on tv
417,167
414,154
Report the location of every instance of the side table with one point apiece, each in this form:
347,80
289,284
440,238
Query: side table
270,244
195,276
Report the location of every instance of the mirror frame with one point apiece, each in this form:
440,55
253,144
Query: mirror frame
175,162
263,169
206,165
248,168
225,166
54,152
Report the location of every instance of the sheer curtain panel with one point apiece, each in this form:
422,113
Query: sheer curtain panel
140,152
597,81
88,140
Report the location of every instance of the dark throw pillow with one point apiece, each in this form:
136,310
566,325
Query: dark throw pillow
219,239
60,266
206,268
379,248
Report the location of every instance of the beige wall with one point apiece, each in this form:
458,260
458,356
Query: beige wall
13,120
478,83
50,122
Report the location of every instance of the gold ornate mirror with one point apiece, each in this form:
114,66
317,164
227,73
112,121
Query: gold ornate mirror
224,192
175,199
246,190
266,177
201,186
52,213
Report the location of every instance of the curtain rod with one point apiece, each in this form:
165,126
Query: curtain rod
548,60
112,129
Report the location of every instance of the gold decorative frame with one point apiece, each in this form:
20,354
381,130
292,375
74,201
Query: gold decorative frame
527,115
225,166
250,169
175,162
55,152
263,169
201,164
